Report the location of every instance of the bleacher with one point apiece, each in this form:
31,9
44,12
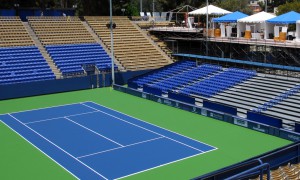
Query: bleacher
181,80
259,90
288,172
20,60
71,58
218,83
132,49
245,90
23,64
164,73
188,79
13,32
60,30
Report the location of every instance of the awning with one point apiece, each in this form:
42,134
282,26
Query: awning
288,18
260,17
232,17
212,10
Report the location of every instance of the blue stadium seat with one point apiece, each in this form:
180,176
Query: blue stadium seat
71,57
23,64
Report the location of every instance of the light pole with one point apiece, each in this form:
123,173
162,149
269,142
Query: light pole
206,28
266,6
112,45
153,9
141,5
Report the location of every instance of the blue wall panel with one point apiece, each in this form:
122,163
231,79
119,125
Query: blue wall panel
123,77
46,87
152,90
181,97
219,107
7,12
23,13
297,127
264,119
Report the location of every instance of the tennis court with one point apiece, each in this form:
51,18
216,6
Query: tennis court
94,142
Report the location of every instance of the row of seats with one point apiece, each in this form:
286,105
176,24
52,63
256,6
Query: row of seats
23,64
278,99
218,82
71,58
169,71
287,172
13,32
62,30
132,49
187,77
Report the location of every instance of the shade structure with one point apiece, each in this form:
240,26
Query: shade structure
212,10
288,18
231,18
260,17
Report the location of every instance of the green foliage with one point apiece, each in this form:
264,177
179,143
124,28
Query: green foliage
289,6
235,5
132,9
101,7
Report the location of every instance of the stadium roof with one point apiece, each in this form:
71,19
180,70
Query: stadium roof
232,17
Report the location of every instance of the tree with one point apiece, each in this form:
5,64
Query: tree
288,6
235,5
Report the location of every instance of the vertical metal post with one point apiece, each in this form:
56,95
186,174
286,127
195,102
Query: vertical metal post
141,5
112,45
153,9
266,6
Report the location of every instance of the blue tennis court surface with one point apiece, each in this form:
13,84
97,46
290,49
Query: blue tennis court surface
94,142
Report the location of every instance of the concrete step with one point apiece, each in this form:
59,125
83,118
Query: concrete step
43,51
98,40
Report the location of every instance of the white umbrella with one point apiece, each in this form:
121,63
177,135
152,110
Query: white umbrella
212,10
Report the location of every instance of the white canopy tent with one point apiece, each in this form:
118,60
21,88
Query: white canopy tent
212,10
255,23
209,10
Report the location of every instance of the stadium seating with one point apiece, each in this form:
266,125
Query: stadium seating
164,73
289,171
182,79
71,58
132,49
186,78
278,99
218,82
13,32
60,30
23,64
259,90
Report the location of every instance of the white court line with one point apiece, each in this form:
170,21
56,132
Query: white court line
165,164
39,149
59,147
32,122
144,128
94,132
119,147
124,121
149,123
49,107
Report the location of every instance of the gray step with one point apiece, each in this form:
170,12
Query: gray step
43,51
